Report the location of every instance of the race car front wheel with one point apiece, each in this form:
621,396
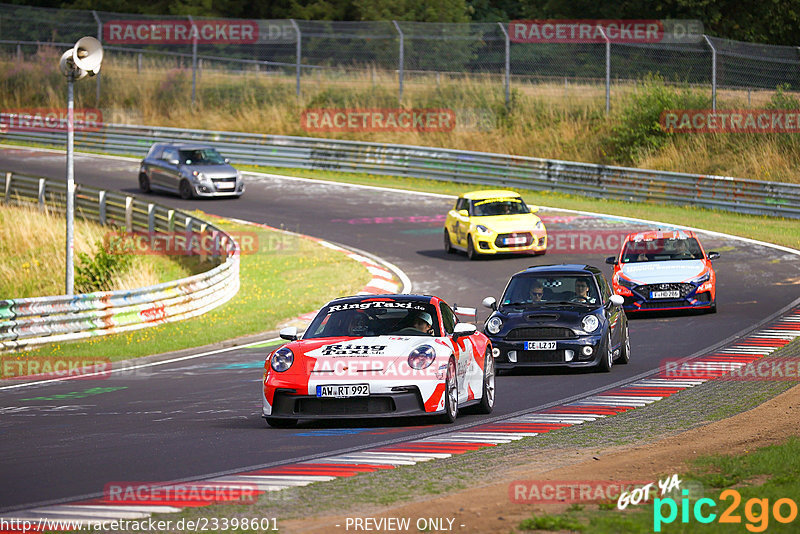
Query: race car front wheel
448,245
625,349
607,358
450,394
471,254
487,400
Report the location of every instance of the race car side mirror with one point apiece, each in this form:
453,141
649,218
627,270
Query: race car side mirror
490,302
713,255
289,333
463,213
534,209
616,300
464,329
611,260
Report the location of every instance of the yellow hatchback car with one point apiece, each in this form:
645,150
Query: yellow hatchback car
493,222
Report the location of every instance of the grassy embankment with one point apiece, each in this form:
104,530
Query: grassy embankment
283,277
544,119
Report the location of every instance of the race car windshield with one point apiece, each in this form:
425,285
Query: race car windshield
499,206
203,156
536,291
662,250
375,318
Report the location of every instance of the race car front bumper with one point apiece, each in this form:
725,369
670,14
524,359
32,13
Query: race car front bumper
568,353
407,401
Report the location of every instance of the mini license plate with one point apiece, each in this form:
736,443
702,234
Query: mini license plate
343,390
540,345
675,294
513,240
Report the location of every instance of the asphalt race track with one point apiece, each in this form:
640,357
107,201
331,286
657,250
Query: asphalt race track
202,416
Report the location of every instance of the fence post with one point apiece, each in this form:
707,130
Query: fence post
608,69
401,61
151,218
129,214
139,63
101,204
508,63
194,59
298,55
99,38
171,221
42,183
713,73
19,52
7,187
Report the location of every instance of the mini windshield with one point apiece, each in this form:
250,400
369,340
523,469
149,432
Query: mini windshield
202,156
499,206
374,318
549,290
662,250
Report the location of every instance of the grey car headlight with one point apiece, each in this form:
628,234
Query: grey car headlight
282,359
494,324
590,323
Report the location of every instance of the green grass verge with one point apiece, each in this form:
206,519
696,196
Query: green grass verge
287,276
780,231
776,467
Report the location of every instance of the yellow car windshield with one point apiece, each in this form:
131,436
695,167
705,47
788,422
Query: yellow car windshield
499,206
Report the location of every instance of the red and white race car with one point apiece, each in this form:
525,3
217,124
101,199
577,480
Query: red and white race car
380,356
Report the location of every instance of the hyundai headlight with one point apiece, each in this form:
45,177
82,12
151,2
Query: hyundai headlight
482,229
493,325
282,359
590,323
624,282
421,357
701,279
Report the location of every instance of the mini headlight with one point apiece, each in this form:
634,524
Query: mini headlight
493,325
282,359
482,229
590,323
421,357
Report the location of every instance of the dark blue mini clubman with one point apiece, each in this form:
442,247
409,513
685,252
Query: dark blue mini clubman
558,315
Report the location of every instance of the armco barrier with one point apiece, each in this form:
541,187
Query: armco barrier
31,321
621,183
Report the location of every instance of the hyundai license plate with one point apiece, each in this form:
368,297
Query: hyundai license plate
675,294
343,390
540,345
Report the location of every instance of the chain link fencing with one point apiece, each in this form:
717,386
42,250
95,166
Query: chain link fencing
396,54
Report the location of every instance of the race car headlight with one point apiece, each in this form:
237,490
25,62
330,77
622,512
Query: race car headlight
282,359
483,230
199,176
700,279
421,357
539,225
624,282
590,323
493,325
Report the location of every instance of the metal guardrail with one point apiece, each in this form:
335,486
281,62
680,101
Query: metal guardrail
31,321
585,179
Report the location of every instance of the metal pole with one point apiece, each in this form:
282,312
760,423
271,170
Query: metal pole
99,38
508,64
298,55
713,73
400,67
70,275
194,60
608,70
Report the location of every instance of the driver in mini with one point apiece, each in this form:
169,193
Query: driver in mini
582,292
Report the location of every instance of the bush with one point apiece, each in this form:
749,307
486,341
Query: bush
95,273
638,131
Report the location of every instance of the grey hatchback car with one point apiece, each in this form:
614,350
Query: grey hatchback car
191,170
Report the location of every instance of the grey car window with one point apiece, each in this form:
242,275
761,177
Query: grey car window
169,154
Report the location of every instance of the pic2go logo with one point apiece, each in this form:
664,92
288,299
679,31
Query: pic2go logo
756,511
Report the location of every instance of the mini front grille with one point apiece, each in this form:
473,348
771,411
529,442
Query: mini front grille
540,334
540,356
